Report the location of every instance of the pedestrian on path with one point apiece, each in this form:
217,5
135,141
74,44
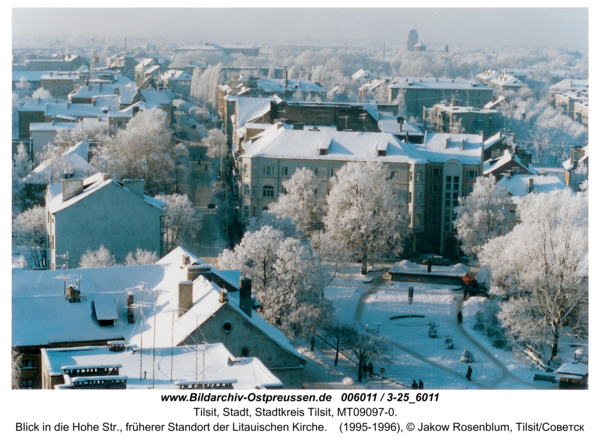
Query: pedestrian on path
469,372
420,384
370,370
459,317
364,369
415,386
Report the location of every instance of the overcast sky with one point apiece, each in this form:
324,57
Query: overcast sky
468,28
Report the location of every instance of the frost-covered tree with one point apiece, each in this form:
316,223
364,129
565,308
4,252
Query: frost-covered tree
482,215
364,211
205,85
217,147
343,335
467,356
97,258
15,369
301,201
23,84
457,127
42,94
21,167
286,278
369,347
29,233
144,150
180,220
141,258
540,268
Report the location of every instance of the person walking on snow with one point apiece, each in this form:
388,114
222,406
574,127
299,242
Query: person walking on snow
469,372
370,367
364,369
459,317
420,384
414,385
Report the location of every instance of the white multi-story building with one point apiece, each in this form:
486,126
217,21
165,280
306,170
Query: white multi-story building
428,177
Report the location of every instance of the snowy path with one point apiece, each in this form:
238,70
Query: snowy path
506,375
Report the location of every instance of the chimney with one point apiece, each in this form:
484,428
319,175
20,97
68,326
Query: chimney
186,260
246,295
68,104
89,87
223,298
462,145
195,270
71,188
105,176
130,316
135,186
73,294
117,91
575,155
530,189
186,291
447,143
100,87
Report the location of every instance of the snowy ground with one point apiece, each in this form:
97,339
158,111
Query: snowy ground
414,355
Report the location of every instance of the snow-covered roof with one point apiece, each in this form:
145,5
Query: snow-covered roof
29,75
507,81
72,161
272,85
389,124
39,105
55,203
491,141
435,83
454,109
487,75
176,75
214,366
101,88
573,368
363,74
409,268
51,127
74,110
495,102
105,308
568,166
570,85
250,108
518,185
158,98
283,142
58,77
495,163
434,147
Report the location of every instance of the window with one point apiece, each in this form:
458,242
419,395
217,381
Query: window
245,352
246,189
322,151
417,220
393,175
436,173
227,327
268,170
435,205
254,211
27,363
284,170
410,197
409,176
434,221
316,170
253,190
245,169
471,174
419,176
283,189
468,190
331,173
246,211
27,384
419,197
447,228
435,188
268,192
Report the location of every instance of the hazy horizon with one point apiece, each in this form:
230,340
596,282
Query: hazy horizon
468,28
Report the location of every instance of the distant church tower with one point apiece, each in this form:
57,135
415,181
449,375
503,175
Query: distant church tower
413,39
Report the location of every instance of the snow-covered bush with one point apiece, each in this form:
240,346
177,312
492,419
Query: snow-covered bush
467,356
448,342
97,258
141,258
432,332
